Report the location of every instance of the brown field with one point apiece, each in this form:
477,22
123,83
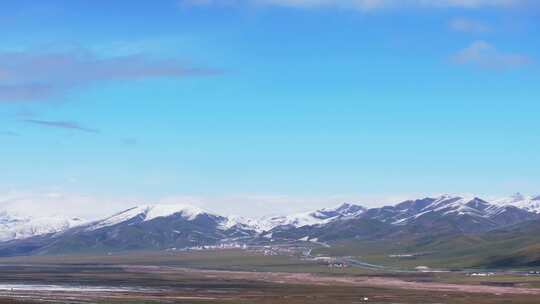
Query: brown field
235,277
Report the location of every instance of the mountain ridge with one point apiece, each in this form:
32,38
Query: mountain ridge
179,226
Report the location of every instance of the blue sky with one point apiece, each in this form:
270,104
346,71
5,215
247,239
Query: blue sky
267,104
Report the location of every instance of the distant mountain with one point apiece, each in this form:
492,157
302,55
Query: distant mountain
149,227
295,227
17,226
146,213
157,227
444,215
318,217
459,214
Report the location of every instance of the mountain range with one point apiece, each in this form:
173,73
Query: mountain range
14,225
158,227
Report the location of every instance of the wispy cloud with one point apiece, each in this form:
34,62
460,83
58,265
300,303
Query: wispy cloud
364,5
469,26
30,75
484,55
62,125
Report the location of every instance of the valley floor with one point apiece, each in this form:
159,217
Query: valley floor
238,277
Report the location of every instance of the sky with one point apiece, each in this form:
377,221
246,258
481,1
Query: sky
266,106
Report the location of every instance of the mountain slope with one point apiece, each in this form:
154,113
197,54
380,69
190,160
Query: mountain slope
514,246
511,246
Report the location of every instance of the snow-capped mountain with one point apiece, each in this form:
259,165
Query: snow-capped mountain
529,203
442,215
147,213
317,217
17,226
457,213
449,206
179,226
443,206
148,227
461,209
255,224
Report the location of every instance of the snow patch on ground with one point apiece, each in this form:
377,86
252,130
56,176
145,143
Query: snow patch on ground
72,288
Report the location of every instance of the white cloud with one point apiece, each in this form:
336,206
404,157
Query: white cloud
469,26
484,55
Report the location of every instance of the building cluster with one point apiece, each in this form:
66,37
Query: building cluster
287,250
269,250
338,265
212,247
481,274
331,262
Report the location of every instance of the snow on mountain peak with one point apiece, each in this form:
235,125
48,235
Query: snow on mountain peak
445,201
345,209
17,226
318,217
445,205
155,211
149,212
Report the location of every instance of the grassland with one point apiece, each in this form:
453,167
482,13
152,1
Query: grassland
464,252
